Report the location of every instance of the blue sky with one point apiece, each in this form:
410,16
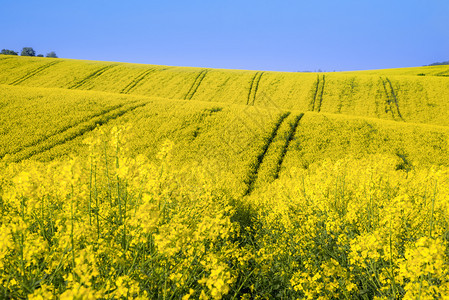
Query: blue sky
259,35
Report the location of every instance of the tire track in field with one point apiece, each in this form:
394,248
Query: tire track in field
317,94
388,101
320,98
443,74
195,85
313,98
61,130
391,99
92,75
290,136
33,73
253,88
73,132
253,172
393,93
127,89
2,59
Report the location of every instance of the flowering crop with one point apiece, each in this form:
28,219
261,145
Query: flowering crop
123,181
397,94
112,226
116,225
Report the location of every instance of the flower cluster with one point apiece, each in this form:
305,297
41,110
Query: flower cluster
111,225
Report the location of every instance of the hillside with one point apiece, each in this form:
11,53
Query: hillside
208,112
397,94
71,97
147,180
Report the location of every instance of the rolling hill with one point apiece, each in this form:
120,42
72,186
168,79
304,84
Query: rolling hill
222,183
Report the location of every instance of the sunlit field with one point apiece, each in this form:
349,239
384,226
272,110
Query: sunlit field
127,181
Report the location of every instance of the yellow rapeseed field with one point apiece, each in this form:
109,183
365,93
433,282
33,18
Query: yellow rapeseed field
126,181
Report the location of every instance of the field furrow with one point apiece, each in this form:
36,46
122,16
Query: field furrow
314,93
33,73
3,58
127,89
273,159
195,85
445,73
391,103
60,131
288,140
93,75
320,93
388,99
394,97
410,97
72,133
253,88
253,172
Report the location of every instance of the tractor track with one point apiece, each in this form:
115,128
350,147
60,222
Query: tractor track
320,99
313,99
443,74
393,93
253,88
73,132
391,99
92,75
127,89
4,58
61,130
317,96
290,136
253,173
199,78
33,73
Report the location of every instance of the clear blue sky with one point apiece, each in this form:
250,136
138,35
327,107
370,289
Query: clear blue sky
259,35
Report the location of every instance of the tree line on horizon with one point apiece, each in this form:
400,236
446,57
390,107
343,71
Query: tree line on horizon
439,63
28,51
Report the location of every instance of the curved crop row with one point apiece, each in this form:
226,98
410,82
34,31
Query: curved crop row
60,130
195,85
391,99
33,73
253,88
421,99
71,133
317,94
255,166
127,89
91,76
274,157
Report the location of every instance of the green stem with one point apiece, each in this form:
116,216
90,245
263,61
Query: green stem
118,183
433,208
125,198
391,265
97,208
90,193
22,240
107,173
71,232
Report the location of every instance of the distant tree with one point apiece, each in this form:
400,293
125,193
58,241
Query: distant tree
440,63
40,55
28,51
52,54
8,52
